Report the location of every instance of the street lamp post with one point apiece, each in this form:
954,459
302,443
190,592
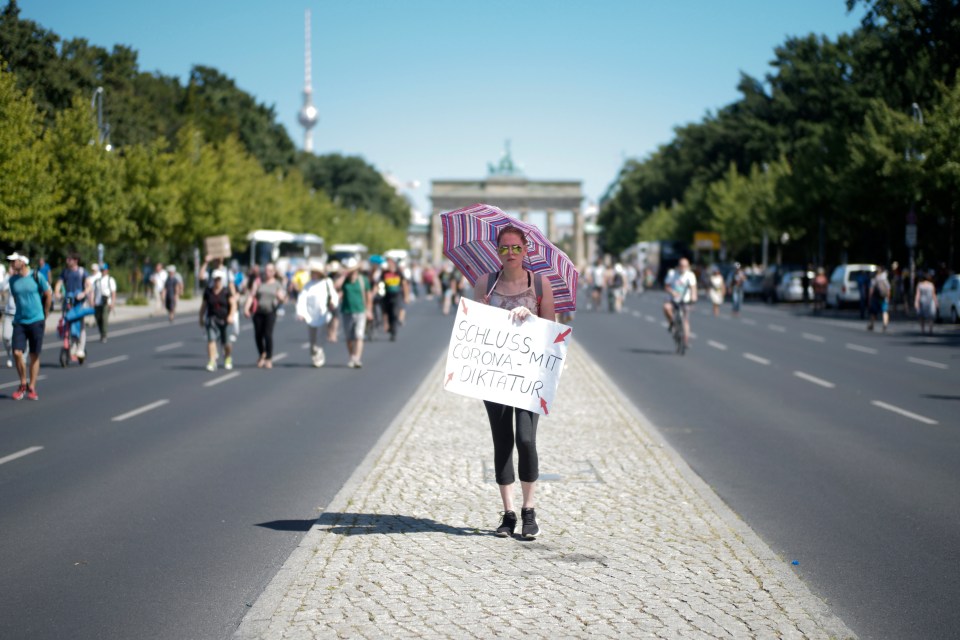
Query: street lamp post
911,228
103,128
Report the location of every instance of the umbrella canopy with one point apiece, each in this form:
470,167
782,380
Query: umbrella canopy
470,242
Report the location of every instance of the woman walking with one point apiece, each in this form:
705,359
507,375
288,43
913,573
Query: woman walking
523,294
266,296
925,302
718,291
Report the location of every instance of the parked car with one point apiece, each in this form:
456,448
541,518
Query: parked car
771,279
949,300
844,287
753,286
790,288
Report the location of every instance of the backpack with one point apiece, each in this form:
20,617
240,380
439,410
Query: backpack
618,280
883,287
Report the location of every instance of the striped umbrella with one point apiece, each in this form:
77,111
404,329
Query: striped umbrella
470,242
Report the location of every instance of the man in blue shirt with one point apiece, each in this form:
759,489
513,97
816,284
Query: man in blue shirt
33,296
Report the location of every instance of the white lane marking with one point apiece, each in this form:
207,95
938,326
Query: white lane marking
928,363
748,321
280,356
717,345
814,337
777,328
143,409
814,379
649,318
636,314
103,363
19,454
305,345
224,378
16,383
168,347
153,325
757,359
903,412
664,324
860,348
693,336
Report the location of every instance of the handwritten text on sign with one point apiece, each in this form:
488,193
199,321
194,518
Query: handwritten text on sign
493,358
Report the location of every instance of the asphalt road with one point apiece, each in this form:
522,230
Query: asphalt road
839,447
163,498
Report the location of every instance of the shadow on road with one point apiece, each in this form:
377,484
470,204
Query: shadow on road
651,352
365,523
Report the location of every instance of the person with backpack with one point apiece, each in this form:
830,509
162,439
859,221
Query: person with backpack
879,298
73,290
523,294
33,297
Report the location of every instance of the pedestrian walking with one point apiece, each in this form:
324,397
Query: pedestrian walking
9,310
820,284
737,279
523,294
104,299
356,309
925,302
333,325
172,291
718,290
315,304
158,280
396,295
879,299
33,296
266,297
217,311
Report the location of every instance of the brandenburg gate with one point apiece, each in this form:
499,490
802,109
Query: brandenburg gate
507,189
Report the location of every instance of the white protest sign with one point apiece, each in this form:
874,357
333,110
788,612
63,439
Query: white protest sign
493,358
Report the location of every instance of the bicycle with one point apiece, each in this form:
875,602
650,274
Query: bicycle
679,314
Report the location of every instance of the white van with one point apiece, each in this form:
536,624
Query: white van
843,288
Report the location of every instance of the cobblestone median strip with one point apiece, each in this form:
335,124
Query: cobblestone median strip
634,545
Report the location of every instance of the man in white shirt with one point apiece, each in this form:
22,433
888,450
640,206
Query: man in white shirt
104,298
681,287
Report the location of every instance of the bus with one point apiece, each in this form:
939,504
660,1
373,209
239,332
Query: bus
287,250
341,252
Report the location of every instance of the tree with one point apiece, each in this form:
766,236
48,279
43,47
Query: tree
28,191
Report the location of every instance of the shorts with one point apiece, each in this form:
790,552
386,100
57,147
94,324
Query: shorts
217,332
28,334
354,325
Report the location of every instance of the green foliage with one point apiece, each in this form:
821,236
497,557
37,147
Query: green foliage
187,161
28,191
833,124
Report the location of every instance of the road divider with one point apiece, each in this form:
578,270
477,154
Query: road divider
928,363
903,412
19,454
224,378
757,359
814,379
103,363
138,411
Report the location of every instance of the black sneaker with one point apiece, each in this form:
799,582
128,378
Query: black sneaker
508,522
530,528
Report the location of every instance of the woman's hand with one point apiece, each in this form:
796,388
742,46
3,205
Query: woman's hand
519,314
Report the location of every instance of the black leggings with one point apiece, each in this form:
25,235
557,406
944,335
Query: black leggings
501,427
263,332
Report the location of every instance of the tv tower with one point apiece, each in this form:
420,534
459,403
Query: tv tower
308,113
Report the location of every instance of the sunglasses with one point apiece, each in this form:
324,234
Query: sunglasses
505,248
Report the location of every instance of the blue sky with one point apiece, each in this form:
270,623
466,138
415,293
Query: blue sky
431,89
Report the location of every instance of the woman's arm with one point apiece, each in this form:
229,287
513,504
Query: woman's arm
547,311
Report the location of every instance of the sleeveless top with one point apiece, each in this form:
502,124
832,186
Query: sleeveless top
267,297
526,298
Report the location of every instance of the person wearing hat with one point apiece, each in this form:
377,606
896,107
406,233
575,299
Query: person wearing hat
315,304
356,308
172,291
104,297
217,312
33,295
333,326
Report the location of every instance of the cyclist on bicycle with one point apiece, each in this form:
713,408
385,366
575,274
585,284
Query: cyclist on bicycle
681,287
